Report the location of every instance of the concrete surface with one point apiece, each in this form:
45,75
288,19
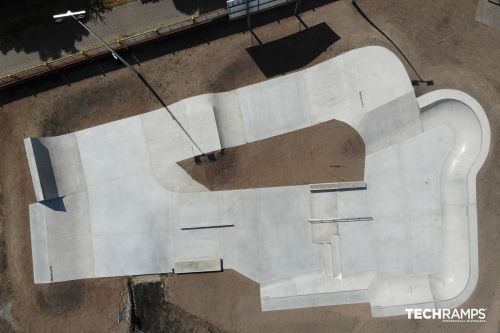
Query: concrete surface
488,12
422,159
198,266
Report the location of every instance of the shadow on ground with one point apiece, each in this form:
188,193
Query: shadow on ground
28,26
152,313
293,51
61,297
145,52
191,7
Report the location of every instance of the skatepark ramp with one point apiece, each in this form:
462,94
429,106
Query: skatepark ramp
405,236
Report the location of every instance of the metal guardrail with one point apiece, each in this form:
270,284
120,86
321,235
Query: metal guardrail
120,44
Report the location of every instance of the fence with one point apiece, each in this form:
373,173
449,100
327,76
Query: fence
117,45
238,8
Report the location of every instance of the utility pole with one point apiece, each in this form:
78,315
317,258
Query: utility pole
81,14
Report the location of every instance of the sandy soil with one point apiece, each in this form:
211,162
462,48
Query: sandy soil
154,314
329,152
440,37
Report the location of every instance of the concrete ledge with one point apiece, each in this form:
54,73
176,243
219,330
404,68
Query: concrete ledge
198,266
314,300
337,186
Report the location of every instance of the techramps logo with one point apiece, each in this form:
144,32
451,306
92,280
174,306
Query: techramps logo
449,315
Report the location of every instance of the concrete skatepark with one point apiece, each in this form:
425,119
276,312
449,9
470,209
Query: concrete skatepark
113,201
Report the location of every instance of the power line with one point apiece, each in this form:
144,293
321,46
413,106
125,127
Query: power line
420,79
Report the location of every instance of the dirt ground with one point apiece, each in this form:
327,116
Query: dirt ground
329,152
441,39
154,314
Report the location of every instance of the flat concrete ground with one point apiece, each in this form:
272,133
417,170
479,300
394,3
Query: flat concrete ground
442,40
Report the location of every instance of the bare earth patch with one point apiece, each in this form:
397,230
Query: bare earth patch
329,152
